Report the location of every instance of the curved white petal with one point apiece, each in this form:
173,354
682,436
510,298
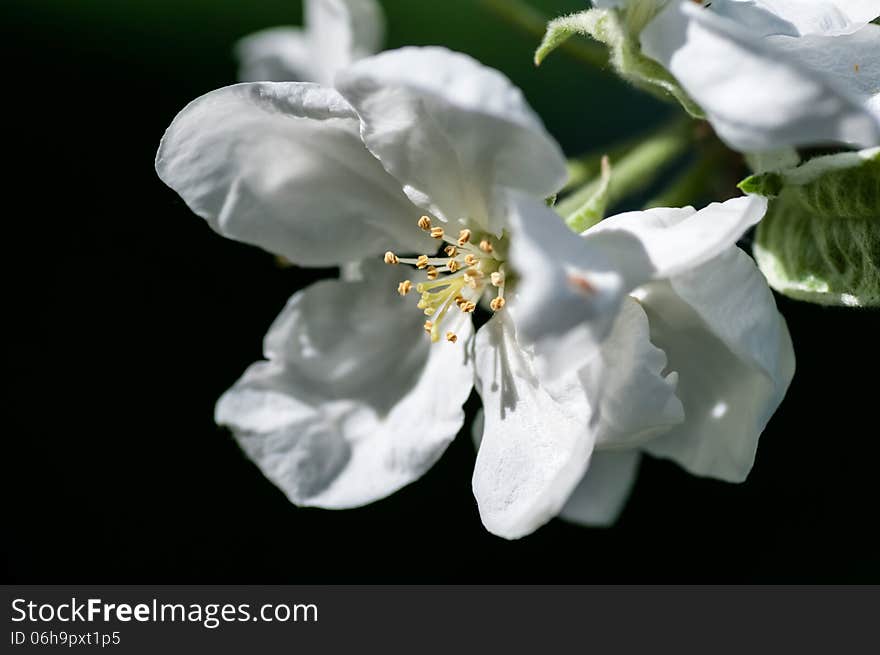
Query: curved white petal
851,60
277,54
567,290
602,493
757,95
630,384
859,11
454,132
538,431
342,32
535,446
719,326
796,17
281,166
353,402
662,242
337,33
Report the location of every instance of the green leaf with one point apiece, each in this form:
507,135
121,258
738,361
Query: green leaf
820,240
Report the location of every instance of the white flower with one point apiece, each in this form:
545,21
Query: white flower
337,33
354,402
774,73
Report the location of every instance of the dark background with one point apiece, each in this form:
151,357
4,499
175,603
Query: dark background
129,317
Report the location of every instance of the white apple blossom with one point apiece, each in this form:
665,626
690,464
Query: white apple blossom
651,325
771,73
336,34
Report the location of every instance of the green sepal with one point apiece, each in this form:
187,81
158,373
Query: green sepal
763,184
593,209
617,30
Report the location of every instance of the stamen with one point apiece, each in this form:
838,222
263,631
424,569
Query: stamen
422,261
425,223
453,265
497,279
467,307
404,287
486,246
429,325
470,260
391,258
451,251
464,236
451,338
437,232
432,273
497,303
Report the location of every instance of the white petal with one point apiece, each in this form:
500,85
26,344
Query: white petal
278,54
859,11
757,96
661,242
453,131
354,402
281,166
851,60
538,431
342,32
337,33
630,384
602,493
722,333
567,291
793,17
535,446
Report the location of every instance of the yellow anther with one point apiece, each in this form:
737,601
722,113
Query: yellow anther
467,306
497,303
459,300
453,265
451,251
432,273
421,262
470,260
429,311
856,68
391,258
429,326
485,246
404,287
425,223
497,279
451,338
473,271
464,236
437,232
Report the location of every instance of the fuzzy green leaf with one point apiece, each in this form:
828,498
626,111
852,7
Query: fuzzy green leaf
820,240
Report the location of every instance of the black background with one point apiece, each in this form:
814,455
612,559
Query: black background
129,317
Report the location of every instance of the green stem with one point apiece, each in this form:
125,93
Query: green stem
693,184
638,168
529,19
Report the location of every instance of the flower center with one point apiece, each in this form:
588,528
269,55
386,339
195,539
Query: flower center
471,269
